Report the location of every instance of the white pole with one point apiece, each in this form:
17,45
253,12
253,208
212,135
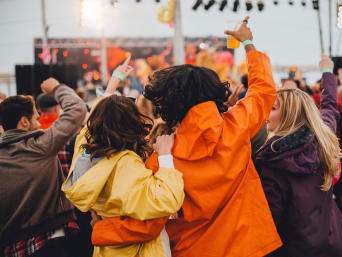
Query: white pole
178,38
103,48
45,34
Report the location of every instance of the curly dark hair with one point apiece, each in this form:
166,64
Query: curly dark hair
116,125
176,89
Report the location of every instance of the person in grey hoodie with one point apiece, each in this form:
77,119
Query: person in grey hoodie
33,210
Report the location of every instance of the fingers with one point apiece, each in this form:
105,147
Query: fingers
245,21
229,32
127,60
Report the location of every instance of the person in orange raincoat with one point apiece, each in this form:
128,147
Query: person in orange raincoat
225,212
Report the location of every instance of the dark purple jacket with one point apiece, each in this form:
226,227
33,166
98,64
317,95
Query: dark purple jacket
307,218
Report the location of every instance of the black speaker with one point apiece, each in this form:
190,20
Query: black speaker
338,63
29,77
24,79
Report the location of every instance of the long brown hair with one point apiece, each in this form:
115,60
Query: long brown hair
116,125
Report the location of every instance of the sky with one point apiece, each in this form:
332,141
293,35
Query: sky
288,34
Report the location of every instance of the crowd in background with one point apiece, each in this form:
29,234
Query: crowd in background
185,160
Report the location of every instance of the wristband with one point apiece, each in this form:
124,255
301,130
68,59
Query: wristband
326,70
247,42
118,75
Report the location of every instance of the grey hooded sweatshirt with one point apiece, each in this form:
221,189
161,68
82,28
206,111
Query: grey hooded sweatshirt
31,201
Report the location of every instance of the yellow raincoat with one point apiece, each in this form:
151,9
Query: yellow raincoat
122,186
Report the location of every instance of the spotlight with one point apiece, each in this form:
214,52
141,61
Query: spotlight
138,1
275,2
260,5
223,5
249,5
209,4
303,3
197,4
157,1
236,5
315,4
290,2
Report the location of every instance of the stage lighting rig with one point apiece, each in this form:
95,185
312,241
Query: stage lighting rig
261,5
209,4
315,4
197,4
339,16
236,5
249,5
223,5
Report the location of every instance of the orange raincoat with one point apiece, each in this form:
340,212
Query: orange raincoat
225,212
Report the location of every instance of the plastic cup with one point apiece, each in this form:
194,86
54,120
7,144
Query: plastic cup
233,43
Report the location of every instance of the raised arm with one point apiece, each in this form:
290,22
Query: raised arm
69,122
329,111
252,112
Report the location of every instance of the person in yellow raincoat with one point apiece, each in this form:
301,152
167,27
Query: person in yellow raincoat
225,212
109,176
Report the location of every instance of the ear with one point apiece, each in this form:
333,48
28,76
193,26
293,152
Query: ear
57,109
23,123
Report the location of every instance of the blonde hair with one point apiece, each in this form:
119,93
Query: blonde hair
297,110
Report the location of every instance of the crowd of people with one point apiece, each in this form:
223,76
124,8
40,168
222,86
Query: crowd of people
182,166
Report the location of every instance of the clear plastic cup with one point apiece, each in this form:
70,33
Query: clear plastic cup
233,43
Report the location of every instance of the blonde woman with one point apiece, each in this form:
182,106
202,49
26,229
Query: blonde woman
296,167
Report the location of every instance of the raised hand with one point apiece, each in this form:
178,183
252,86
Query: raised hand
243,33
164,144
325,63
125,69
49,85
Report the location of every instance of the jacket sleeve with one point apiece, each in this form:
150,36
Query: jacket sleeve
142,194
251,113
329,111
117,231
62,130
275,189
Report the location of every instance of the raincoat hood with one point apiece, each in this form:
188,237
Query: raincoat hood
296,153
199,132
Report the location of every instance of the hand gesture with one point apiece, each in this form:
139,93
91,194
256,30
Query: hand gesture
164,144
243,33
125,69
94,218
234,97
49,85
325,63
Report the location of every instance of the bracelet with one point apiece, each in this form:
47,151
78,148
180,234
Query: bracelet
118,75
326,70
247,42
